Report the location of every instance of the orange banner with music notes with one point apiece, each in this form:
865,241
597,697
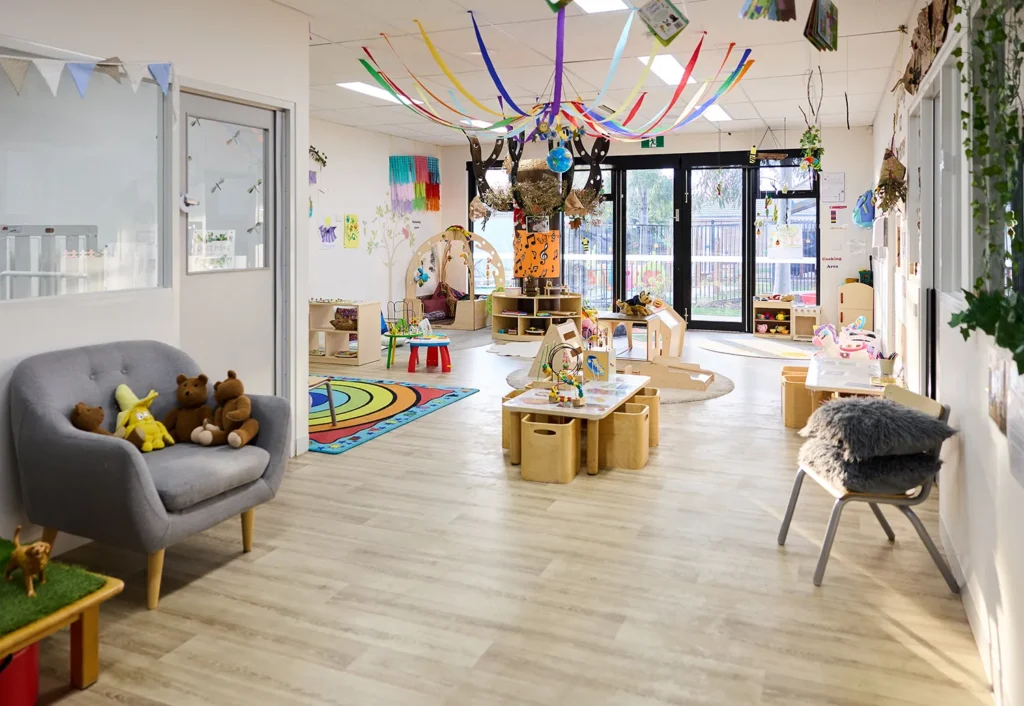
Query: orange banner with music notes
537,254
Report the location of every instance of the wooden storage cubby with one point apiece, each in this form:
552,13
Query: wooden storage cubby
568,306
771,309
324,337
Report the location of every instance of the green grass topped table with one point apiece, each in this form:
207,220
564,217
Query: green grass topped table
70,596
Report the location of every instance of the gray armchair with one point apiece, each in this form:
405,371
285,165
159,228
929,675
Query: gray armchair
102,487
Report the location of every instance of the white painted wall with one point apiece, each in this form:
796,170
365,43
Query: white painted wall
252,46
845,150
980,496
356,180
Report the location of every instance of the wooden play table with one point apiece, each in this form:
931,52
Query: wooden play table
84,618
602,398
611,320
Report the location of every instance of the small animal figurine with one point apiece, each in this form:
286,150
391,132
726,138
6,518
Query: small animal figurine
31,559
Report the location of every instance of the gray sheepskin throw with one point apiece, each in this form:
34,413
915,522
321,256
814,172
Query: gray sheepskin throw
884,475
867,427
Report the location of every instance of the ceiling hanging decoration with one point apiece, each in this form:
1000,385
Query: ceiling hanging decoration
562,120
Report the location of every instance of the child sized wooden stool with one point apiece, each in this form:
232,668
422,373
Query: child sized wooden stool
433,344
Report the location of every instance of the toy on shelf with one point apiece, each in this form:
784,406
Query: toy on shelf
568,388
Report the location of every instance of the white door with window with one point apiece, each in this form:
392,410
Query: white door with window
230,316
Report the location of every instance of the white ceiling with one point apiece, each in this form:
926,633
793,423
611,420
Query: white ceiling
520,35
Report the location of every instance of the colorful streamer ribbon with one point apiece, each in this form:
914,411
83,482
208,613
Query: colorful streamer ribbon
490,67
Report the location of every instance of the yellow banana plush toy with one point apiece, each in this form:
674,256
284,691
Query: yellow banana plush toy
135,414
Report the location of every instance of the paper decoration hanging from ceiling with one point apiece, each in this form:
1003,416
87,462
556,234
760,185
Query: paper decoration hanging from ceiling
415,184
80,74
537,254
775,10
16,70
822,28
664,19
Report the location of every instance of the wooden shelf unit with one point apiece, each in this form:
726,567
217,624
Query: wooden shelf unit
772,308
323,336
532,306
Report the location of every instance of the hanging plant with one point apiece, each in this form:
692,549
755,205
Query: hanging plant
892,183
810,142
992,141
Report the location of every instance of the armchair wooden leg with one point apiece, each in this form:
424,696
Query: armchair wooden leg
248,524
49,535
154,572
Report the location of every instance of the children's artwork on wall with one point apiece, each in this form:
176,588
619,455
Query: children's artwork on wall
328,234
537,254
415,184
784,242
351,231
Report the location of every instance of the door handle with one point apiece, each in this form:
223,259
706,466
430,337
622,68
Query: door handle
677,215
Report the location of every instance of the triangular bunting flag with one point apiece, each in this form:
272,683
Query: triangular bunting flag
50,70
111,67
162,75
80,74
16,70
136,72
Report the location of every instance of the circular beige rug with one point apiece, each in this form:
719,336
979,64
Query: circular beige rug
720,387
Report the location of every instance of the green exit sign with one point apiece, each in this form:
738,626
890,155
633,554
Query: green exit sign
652,142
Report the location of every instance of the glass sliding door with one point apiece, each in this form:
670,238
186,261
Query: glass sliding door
786,233
588,265
650,221
716,248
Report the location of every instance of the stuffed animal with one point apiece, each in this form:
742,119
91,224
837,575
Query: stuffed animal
135,414
90,419
635,306
232,423
31,559
192,410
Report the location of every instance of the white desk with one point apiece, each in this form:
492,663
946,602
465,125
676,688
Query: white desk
602,399
851,377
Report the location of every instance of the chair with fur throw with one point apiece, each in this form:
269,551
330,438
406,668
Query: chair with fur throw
899,475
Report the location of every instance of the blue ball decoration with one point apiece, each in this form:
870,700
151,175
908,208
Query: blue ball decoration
559,160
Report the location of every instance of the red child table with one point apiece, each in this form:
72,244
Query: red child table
433,344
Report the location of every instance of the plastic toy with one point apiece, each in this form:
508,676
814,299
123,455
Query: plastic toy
421,276
762,328
851,343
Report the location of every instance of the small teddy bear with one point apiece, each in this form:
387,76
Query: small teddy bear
192,410
232,423
31,559
90,419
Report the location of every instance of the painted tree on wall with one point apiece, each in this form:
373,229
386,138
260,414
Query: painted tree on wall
386,233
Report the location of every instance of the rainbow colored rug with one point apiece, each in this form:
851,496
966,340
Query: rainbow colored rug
366,409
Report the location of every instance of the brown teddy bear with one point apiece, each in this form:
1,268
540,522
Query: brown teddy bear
192,411
232,423
90,419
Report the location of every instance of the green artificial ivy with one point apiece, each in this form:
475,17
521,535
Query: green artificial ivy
992,129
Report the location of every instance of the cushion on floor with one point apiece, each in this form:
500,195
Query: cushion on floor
882,475
187,474
866,427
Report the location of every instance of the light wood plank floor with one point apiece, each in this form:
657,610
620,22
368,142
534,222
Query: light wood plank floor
419,569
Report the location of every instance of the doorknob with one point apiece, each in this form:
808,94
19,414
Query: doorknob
186,204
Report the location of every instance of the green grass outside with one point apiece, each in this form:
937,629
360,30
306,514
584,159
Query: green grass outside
64,585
